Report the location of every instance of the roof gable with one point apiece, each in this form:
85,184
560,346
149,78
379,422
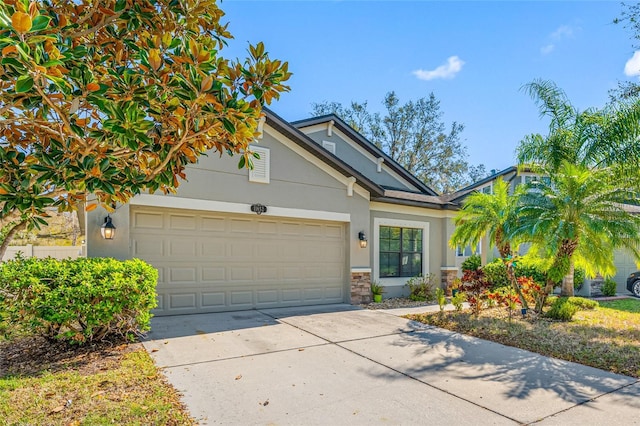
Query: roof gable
360,142
296,136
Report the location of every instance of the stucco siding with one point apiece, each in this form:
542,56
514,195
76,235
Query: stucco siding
361,162
295,183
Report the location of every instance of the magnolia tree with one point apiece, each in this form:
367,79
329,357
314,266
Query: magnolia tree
103,99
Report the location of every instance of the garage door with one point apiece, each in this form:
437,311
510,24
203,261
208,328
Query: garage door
625,265
213,262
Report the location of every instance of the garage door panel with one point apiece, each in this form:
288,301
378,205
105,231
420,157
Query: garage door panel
182,275
182,301
267,227
216,299
213,274
243,226
147,220
182,222
182,248
213,224
150,247
211,262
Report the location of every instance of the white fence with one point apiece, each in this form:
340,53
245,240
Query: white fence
57,252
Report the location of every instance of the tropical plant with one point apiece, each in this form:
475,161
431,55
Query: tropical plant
376,288
578,215
486,215
592,138
111,98
471,263
442,301
609,287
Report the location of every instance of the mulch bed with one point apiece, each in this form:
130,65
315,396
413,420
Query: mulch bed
28,356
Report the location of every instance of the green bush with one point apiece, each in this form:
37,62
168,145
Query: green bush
471,263
422,288
496,274
578,278
530,269
609,287
78,300
458,300
582,303
562,309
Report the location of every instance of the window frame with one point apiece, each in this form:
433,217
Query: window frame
377,223
401,252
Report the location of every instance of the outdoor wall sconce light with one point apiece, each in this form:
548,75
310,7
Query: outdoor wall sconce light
107,230
363,239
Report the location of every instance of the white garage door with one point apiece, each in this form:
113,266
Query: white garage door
212,262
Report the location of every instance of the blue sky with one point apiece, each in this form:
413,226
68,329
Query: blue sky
475,57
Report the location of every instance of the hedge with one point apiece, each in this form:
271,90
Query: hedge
80,300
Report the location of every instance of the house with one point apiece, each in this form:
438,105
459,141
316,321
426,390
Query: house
624,260
322,214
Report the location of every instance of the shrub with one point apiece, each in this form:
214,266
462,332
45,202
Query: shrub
458,300
471,263
531,269
496,274
609,287
475,287
562,309
422,288
79,300
440,298
582,303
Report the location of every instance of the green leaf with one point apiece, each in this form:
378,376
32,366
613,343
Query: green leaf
242,162
228,125
24,84
40,22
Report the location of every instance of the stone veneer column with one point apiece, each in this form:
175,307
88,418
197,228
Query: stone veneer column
360,286
447,275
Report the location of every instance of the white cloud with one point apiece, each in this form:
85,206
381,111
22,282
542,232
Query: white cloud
632,67
446,71
545,50
563,31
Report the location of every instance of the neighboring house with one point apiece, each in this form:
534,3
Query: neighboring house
322,214
624,261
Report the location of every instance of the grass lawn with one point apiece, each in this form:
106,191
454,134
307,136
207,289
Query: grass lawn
117,383
607,337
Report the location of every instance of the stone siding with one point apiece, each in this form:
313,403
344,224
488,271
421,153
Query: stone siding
360,288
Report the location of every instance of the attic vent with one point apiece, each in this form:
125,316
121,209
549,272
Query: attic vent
329,146
261,166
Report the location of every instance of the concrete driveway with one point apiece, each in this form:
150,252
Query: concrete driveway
342,365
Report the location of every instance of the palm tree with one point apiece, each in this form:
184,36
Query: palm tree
605,137
490,215
579,213
485,215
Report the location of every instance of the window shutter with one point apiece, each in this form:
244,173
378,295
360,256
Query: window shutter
261,166
329,146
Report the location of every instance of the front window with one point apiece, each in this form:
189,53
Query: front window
400,252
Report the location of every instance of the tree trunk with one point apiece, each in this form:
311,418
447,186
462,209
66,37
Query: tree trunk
7,239
567,282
